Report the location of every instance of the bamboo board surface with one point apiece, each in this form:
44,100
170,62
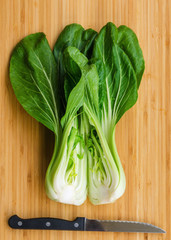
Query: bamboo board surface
142,135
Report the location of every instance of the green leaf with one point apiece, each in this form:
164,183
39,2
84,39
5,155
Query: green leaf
73,35
33,75
72,77
128,42
86,90
118,81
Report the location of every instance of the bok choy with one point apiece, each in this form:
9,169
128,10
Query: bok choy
80,91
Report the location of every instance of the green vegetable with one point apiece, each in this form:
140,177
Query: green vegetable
66,177
80,97
105,97
120,65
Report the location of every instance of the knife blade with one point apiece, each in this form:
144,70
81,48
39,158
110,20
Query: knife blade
82,224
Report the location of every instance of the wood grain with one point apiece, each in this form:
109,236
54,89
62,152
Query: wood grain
143,134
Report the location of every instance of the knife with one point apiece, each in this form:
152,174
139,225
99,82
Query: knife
82,224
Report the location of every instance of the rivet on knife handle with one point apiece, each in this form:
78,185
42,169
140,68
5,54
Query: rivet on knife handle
46,223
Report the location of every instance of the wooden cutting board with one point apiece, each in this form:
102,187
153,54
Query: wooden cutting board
142,135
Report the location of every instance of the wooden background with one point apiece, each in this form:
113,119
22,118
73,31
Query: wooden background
142,136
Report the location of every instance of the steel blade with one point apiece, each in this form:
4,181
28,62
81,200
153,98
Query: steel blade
120,226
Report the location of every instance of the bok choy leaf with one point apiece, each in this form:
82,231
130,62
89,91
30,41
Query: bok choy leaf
33,74
76,36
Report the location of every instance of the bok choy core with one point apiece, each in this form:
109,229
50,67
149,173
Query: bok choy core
80,91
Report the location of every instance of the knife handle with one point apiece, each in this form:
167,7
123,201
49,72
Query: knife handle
46,223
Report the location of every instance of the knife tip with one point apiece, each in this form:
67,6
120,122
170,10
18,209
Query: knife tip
162,231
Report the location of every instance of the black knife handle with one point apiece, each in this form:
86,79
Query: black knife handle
46,223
